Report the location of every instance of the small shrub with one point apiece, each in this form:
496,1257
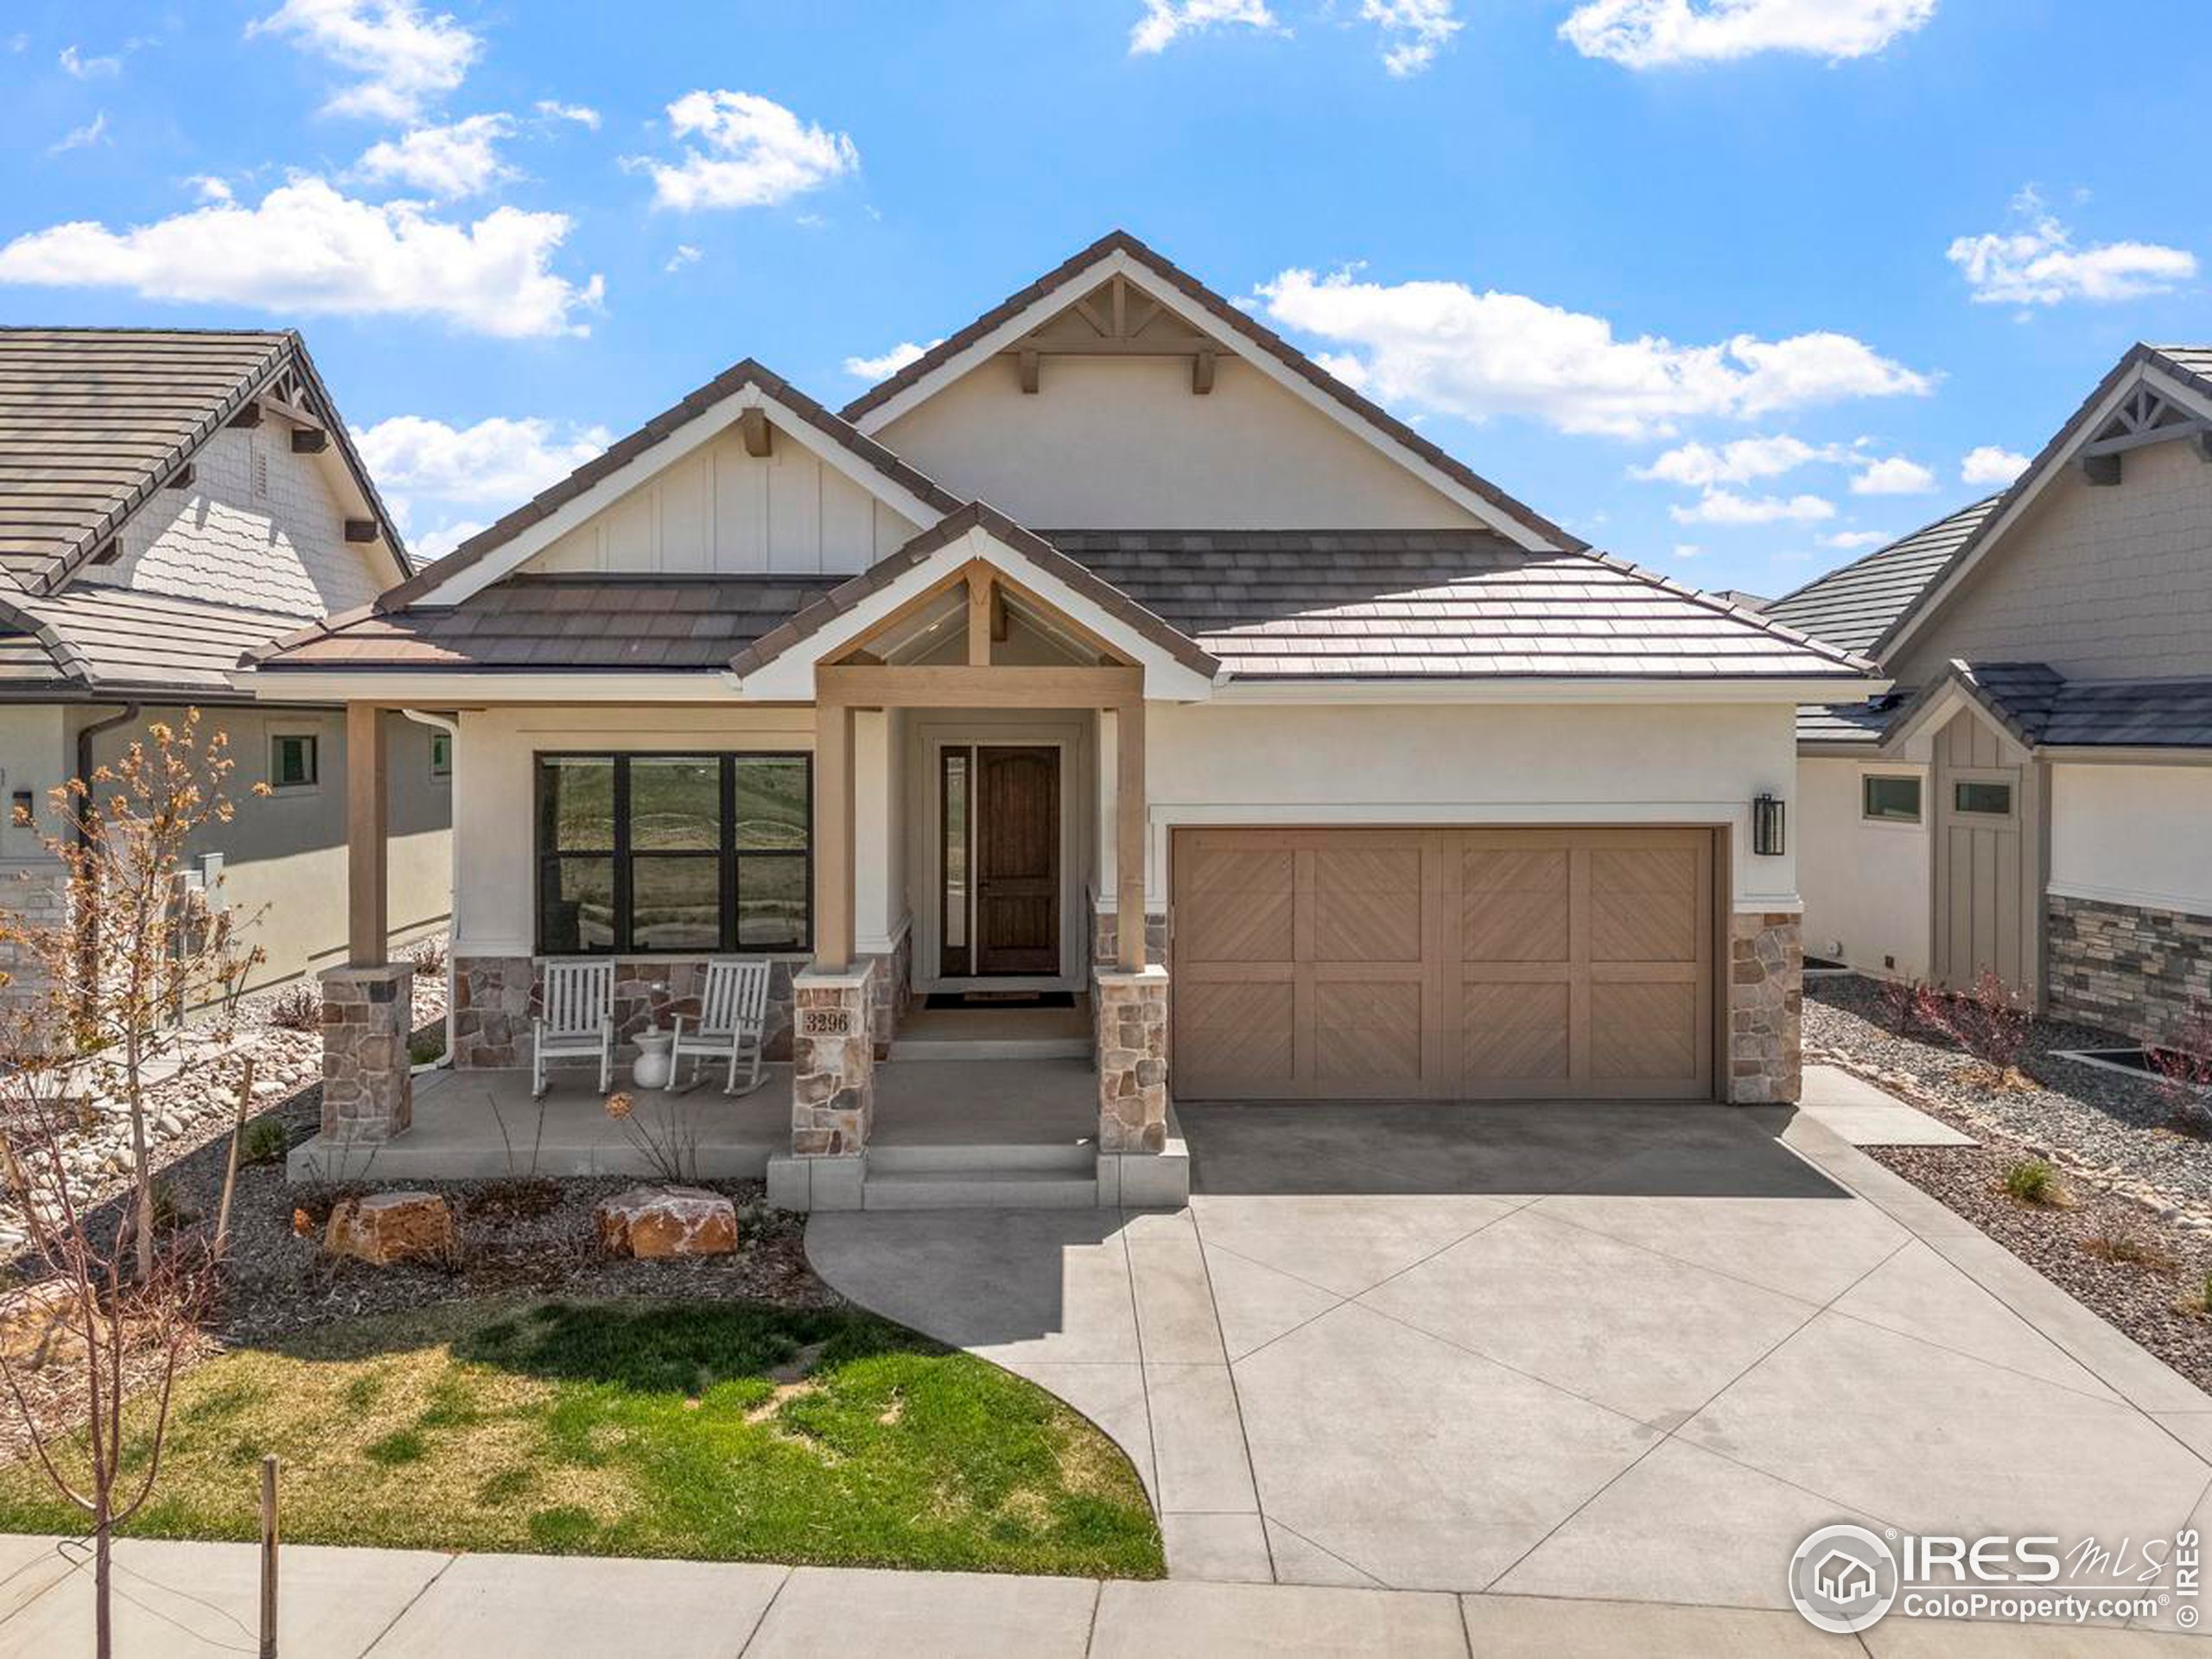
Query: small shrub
2184,1069
297,1007
1901,1005
430,1045
2035,1181
1990,1022
430,959
170,1211
264,1141
2132,1247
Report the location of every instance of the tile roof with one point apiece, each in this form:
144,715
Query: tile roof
1856,605
91,638
2131,714
92,421
1847,722
624,450
1237,321
2040,707
548,624
1394,604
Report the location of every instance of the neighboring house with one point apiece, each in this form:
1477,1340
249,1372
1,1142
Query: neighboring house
1325,763
2035,796
169,499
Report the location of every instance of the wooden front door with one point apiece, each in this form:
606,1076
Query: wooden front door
1017,860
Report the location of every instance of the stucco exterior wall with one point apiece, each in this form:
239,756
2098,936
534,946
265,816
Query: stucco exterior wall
721,510
2138,835
1478,764
1122,442
2110,582
1865,882
260,526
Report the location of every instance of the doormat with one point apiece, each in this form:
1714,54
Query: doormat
1000,1000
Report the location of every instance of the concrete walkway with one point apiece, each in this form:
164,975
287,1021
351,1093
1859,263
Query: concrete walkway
197,1601
1615,1353
1867,1116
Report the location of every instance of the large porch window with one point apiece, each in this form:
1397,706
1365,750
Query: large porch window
644,855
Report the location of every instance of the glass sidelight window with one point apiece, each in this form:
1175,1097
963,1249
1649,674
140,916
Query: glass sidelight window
674,853
956,791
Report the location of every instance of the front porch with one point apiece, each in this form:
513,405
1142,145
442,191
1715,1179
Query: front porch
970,818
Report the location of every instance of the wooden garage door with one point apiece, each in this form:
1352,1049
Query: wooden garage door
1348,964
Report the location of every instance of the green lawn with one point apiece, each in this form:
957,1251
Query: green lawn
712,1431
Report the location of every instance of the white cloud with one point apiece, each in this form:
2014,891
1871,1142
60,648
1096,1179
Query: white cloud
1660,34
210,187
877,368
1687,549
685,254
1167,21
1893,475
85,68
436,544
1445,347
461,159
1850,541
498,462
756,153
1985,464
2038,264
404,57
309,248
94,132
1726,507
1743,460
1414,31
582,114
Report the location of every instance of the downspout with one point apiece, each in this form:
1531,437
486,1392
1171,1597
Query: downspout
451,728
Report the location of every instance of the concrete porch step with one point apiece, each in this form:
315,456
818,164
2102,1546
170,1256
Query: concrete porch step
934,1047
1041,1158
975,1189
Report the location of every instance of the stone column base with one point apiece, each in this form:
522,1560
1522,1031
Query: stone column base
833,1062
368,1093
1133,1060
1766,982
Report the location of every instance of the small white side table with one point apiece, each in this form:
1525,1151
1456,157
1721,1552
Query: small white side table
652,1067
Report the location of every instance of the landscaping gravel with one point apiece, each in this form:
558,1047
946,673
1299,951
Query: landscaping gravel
2112,1127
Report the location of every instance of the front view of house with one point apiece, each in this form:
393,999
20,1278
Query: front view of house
1114,654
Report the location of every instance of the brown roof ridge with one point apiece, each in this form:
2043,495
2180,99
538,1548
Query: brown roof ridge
1757,619
322,628
66,657
746,372
1241,323
973,515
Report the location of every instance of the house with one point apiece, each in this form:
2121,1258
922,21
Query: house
1113,649
169,499
2032,798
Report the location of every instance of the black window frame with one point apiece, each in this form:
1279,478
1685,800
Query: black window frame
729,858
440,774
313,750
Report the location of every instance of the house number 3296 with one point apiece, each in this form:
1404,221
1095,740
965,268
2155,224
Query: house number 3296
826,1023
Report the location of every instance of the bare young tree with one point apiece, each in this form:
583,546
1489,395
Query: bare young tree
97,1009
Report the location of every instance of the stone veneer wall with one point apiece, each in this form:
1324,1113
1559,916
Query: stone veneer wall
368,1093
495,998
1133,1060
2127,969
1766,984
833,1061
892,988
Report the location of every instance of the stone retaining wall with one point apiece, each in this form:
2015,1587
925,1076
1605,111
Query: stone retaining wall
2128,969
1766,984
495,998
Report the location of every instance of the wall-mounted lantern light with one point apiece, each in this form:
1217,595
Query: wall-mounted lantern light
1766,826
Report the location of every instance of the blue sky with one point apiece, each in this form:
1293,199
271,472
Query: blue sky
1729,286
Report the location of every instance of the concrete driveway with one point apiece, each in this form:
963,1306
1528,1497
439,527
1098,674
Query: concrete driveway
1633,1352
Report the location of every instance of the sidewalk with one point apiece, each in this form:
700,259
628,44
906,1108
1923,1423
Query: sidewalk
181,1601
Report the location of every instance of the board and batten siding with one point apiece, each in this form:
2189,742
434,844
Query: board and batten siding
1987,870
721,512
2110,582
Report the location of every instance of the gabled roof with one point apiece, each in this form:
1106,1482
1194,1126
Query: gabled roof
93,421
2039,707
1856,604
730,383
2188,366
1064,279
886,572
1347,604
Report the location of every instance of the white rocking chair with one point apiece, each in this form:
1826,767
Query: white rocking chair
732,1022
578,1022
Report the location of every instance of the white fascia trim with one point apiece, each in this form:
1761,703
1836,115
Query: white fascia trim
692,436
2167,387
2082,754
790,679
2139,898
1535,688
1119,264
467,690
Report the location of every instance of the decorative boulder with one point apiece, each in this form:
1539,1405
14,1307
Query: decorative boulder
652,1223
387,1227
38,1327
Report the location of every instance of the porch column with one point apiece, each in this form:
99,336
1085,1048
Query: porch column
1128,835
833,837
1133,997
367,1005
